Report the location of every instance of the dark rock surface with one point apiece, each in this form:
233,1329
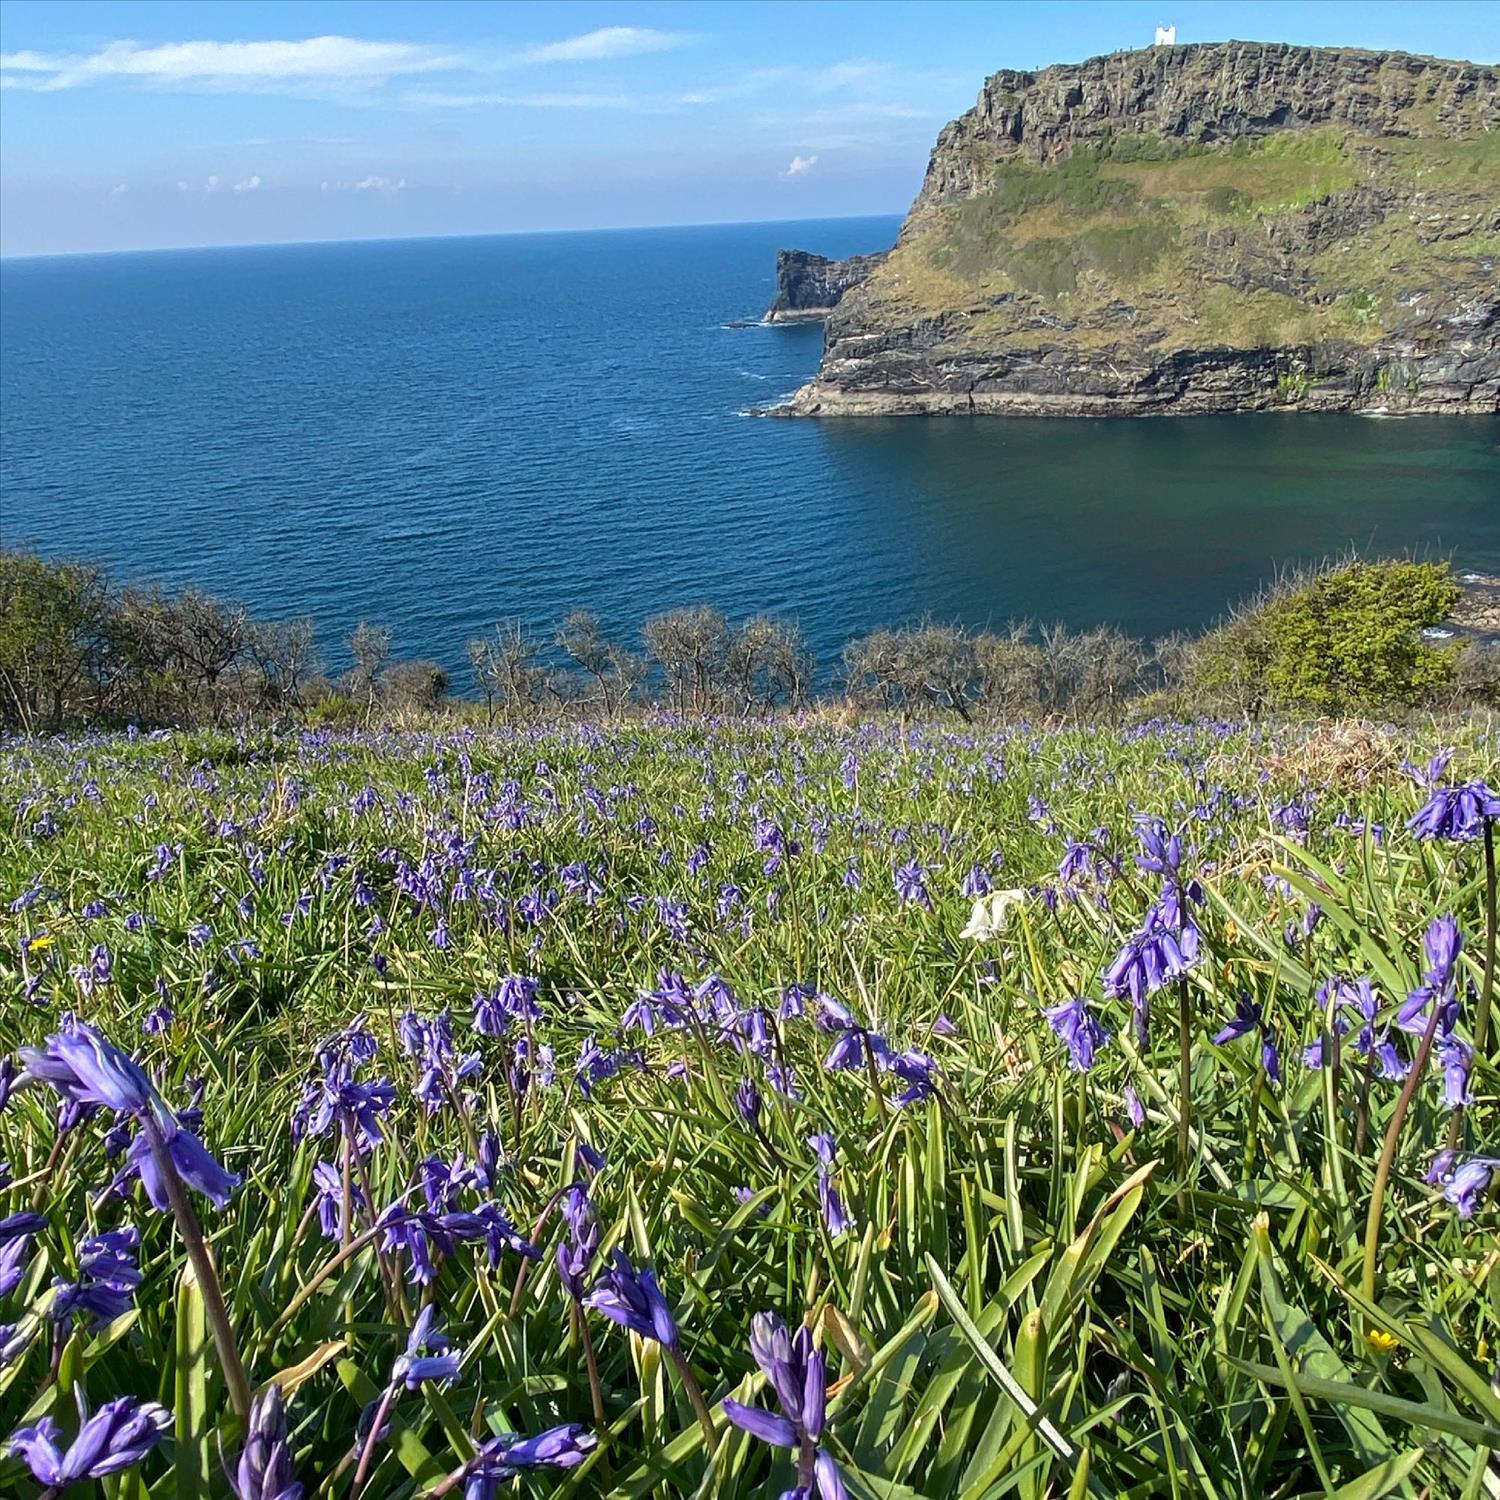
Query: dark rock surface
1233,226
809,287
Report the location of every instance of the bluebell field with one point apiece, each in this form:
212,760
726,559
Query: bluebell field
683,1108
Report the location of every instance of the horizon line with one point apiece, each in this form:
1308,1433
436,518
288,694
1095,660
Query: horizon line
483,234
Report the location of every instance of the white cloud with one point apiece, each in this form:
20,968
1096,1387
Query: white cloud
119,190
606,42
373,183
212,185
248,184
800,166
320,58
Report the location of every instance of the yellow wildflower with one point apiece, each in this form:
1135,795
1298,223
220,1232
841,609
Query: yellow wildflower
1378,1341
41,942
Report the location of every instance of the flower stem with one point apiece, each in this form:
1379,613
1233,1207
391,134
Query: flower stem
695,1396
381,1412
1388,1151
205,1274
1184,1094
1487,988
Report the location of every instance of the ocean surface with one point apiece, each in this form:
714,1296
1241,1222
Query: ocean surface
438,434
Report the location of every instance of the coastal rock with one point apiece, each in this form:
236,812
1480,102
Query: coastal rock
1234,226
809,287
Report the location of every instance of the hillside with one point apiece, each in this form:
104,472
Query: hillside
1218,227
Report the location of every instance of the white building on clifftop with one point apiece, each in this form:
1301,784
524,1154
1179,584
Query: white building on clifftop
1166,36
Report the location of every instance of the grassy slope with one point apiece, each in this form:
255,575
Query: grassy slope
257,924
1168,228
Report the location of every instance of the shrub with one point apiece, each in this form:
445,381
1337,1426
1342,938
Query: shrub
1347,640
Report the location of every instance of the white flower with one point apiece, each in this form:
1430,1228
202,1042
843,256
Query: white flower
991,914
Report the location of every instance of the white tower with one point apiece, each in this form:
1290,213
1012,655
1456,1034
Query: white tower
1166,36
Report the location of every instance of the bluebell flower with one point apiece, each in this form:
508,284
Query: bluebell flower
1246,1019
1078,1031
118,1436
502,1458
17,1232
797,1374
1458,813
1456,1057
426,1356
632,1299
918,1072
86,1069
575,1255
89,1071
264,1470
747,1102
1467,1186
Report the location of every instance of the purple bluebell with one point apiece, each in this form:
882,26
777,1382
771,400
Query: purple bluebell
632,1299
426,1356
107,1278
502,1458
1247,1015
88,1071
1456,1057
1467,1186
1458,813
1078,1031
747,1102
1134,1109
264,1470
575,1255
16,1235
918,1072
911,885
797,1374
118,1436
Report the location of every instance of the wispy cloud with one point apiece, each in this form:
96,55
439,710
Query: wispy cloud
248,184
315,59
339,63
800,166
606,43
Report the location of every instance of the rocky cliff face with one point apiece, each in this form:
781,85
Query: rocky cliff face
809,287
1203,228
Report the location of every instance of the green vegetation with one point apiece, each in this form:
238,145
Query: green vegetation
77,650
1190,234
1345,641
727,986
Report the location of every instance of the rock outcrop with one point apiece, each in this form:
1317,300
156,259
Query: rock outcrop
809,287
1232,226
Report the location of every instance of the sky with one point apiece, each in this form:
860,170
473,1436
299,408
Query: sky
131,125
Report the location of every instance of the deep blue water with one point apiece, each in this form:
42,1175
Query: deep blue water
438,434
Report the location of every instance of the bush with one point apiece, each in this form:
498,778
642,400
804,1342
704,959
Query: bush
1346,640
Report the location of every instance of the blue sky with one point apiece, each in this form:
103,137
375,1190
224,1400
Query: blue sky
130,125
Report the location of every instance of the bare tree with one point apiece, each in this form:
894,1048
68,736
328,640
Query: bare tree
1009,668
413,686
284,656
689,646
506,670
614,670
370,646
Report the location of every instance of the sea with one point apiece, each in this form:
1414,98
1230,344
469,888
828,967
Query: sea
440,434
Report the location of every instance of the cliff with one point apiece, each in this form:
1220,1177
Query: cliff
809,287
1229,226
